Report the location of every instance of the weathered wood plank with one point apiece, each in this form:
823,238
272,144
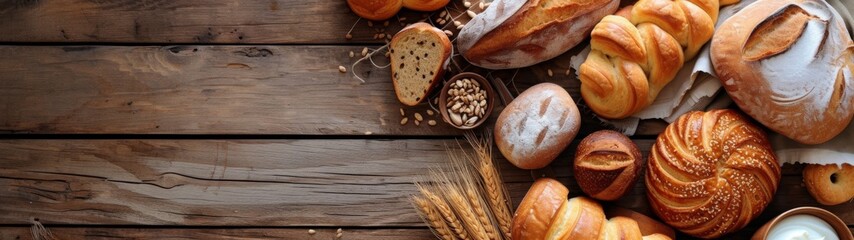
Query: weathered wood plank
193,21
22,233
253,182
213,90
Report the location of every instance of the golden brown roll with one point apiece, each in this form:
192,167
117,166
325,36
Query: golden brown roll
789,64
830,184
375,10
546,213
632,59
425,5
710,173
534,215
606,165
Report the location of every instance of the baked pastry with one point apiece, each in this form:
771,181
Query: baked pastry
516,33
710,173
425,5
632,59
546,213
789,64
375,10
419,55
535,127
606,165
830,184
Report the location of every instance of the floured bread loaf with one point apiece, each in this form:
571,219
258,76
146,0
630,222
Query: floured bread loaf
534,128
518,33
788,64
419,55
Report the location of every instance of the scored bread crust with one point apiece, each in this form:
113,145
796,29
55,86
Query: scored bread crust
536,126
375,10
438,69
515,33
788,64
607,164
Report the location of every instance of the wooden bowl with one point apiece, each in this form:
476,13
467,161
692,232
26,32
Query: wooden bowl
485,85
841,229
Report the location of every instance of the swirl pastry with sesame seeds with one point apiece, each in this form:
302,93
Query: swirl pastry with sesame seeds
710,173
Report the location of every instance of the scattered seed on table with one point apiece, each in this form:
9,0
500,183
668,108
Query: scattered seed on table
342,69
471,14
418,117
431,122
417,123
370,23
404,121
551,74
352,54
480,4
567,72
311,232
368,133
467,4
449,33
382,35
364,52
443,13
430,112
348,36
339,230
402,113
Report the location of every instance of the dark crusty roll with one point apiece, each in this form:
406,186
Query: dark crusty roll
710,173
533,129
607,164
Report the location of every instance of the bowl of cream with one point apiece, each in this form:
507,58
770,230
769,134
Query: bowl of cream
804,223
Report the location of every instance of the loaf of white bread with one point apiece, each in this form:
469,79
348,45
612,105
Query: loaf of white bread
637,52
789,64
546,213
519,33
536,126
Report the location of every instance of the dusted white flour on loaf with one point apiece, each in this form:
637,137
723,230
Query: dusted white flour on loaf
534,128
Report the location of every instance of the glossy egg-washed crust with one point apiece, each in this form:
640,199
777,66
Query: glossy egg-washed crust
710,173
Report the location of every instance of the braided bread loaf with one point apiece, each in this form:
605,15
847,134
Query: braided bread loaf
546,213
710,173
636,53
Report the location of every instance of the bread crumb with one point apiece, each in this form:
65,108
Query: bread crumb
342,69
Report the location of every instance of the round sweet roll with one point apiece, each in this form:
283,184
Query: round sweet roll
830,184
375,10
425,5
533,217
607,164
533,129
788,64
710,173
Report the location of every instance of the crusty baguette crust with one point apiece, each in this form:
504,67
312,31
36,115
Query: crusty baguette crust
375,10
510,34
439,69
789,64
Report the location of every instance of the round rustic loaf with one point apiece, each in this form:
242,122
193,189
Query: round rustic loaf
710,173
533,129
788,64
606,165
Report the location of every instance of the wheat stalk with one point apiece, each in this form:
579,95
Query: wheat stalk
496,195
445,211
464,210
429,213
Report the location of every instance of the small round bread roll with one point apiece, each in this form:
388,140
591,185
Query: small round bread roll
830,184
533,129
607,164
375,10
425,5
534,215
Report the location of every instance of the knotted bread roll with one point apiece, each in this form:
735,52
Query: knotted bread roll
635,54
710,173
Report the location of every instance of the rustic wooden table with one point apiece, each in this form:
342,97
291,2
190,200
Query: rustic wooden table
207,119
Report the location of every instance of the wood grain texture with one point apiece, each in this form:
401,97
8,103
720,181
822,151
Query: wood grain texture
22,233
214,90
254,182
189,21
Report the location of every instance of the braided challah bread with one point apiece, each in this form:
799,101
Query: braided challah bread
546,213
710,173
635,54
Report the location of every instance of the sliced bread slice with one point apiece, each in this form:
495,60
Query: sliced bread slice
419,55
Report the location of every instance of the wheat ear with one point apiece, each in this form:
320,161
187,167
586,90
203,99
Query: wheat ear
445,211
464,210
472,188
496,195
429,213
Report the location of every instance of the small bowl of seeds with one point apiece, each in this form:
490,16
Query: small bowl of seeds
466,100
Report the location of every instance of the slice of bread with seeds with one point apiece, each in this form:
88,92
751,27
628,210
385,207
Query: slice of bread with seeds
419,55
